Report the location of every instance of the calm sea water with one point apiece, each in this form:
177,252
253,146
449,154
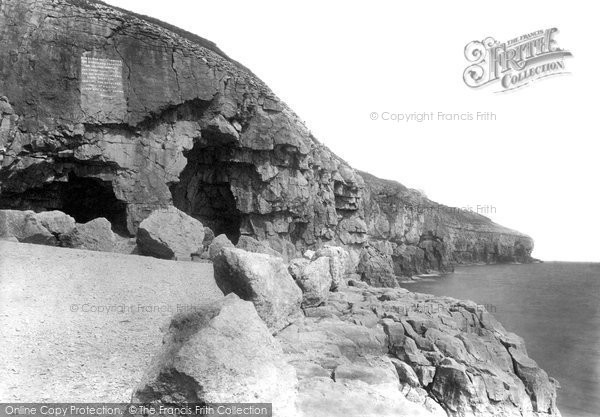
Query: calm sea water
554,306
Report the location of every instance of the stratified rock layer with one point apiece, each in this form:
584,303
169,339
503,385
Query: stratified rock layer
106,114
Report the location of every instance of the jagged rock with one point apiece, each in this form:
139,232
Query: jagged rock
425,374
537,383
425,334
262,279
313,278
375,268
342,371
25,227
218,244
453,387
406,374
170,234
93,235
221,354
252,245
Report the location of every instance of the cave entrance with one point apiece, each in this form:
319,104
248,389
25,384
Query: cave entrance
86,199
82,198
204,192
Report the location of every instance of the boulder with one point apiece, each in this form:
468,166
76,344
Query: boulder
56,222
25,227
170,234
313,278
250,244
223,353
94,235
262,279
218,243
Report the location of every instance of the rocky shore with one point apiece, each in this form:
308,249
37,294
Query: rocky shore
120,133
341,347
310,336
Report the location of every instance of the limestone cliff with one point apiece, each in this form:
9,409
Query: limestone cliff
108,114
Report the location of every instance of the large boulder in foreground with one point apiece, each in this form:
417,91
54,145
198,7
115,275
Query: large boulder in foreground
170,234
262,279
223,353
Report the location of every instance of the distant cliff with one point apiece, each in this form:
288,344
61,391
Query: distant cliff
108,114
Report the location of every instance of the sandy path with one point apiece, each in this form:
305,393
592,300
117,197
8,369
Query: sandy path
59,341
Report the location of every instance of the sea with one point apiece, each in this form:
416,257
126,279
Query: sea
554,306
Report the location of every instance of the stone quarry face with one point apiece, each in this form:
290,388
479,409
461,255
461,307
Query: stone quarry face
118,116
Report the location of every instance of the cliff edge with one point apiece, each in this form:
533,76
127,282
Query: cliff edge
105,113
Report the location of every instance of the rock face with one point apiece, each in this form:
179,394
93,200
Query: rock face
420,354
262,279
170,234
221,354
108,114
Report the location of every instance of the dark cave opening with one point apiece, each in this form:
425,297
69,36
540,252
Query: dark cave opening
86,199
204,191
83,198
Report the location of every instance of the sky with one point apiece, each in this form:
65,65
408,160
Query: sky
535,167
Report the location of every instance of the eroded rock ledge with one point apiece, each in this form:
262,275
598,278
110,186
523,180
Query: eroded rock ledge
357,351
107,114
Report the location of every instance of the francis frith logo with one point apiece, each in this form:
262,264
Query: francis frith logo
515,63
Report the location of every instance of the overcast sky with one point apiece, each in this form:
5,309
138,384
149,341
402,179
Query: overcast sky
335,63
